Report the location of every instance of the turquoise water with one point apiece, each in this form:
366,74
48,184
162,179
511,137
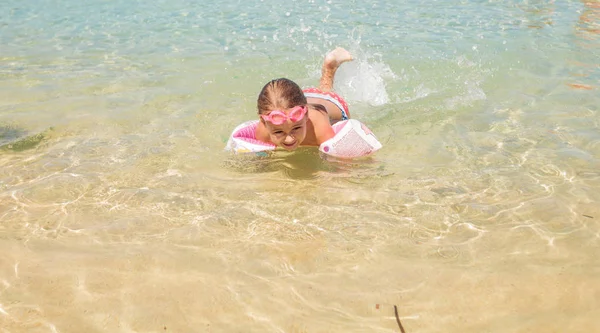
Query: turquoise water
120,211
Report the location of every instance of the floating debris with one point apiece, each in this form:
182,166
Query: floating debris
580,86
377,306
398,319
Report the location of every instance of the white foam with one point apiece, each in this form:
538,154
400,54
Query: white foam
363,79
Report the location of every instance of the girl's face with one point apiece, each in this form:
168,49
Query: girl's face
289,134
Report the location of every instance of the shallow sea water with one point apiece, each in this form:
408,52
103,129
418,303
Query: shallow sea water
120,211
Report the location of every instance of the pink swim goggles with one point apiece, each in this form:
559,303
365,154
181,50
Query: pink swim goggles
277,117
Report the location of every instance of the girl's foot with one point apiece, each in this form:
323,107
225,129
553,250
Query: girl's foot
332,61
335,58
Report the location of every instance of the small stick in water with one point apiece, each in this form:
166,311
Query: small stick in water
589,217
398,319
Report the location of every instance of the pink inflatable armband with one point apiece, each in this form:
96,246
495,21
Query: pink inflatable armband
243,139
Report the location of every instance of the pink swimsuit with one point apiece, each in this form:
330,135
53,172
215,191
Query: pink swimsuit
329,96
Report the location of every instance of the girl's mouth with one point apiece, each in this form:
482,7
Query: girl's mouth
288,145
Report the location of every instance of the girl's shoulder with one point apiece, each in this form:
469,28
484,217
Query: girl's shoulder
321,126
261,133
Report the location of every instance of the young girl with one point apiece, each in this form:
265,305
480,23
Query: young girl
290,117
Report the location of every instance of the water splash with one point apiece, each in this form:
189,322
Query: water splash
364,79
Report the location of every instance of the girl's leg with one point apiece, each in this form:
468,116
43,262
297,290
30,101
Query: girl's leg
323,95
332,61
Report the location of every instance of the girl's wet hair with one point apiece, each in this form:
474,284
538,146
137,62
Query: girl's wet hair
280,94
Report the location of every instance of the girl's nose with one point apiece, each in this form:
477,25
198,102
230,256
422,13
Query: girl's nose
288,139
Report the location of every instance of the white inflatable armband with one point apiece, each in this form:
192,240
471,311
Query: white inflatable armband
352,139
